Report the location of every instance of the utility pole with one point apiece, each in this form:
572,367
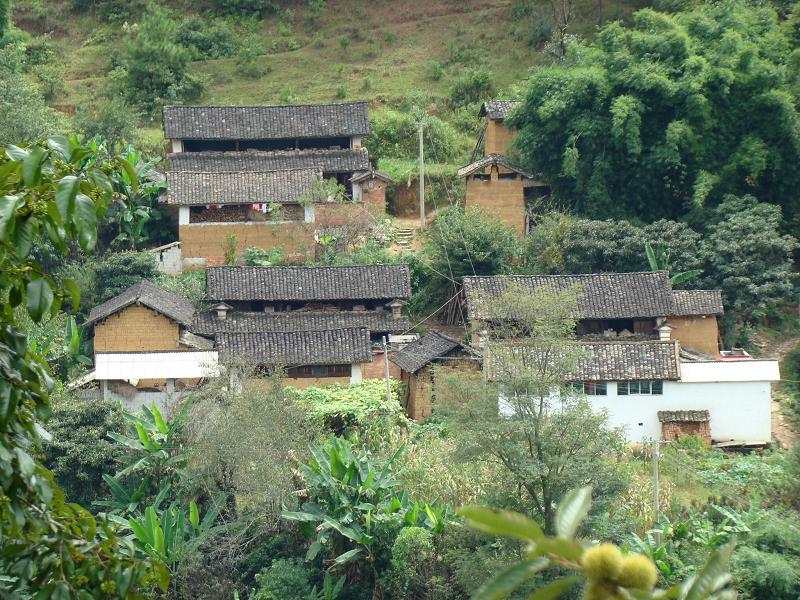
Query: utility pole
386,371
421,180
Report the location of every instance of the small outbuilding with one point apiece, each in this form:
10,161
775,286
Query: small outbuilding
418,362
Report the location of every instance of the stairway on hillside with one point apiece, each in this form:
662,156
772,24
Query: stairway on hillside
404,236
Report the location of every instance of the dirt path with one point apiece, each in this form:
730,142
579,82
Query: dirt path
782,432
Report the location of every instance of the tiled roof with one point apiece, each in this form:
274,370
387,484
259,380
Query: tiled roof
698,302
412,357
248,322
186,188
600,361
299,348
671,416
356,282
147,294
265,122
328,161
372,173
498,109
600,295
491,160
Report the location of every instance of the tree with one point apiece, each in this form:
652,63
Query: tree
5,17
79,452
157,68
528,417
26,117
112,121
668,115
50,548
462,243
748,257
120,270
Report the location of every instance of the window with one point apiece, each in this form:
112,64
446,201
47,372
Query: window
310,371
640,388
590,388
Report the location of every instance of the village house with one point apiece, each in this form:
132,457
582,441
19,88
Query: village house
255,172
144,349
651,356
421,361
494,182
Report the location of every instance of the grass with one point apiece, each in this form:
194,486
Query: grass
391,45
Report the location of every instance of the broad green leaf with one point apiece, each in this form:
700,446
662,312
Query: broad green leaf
313,550
85,220
39,297
348,556
130,171
66,191
8,206
555,589
679,278
509,579
194,515
572,510
125,441
24,233
159,420
565,548
15,152
502,522
32,166
60,146
74,293
706,580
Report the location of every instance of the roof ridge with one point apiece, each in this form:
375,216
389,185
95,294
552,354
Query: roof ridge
515,275
354,102
240,172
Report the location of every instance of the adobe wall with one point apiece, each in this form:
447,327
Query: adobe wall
373,194
334,214
419,393
208,240
497,138
136,329
696,333
375,369
503,198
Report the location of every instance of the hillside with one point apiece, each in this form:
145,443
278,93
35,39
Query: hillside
377,51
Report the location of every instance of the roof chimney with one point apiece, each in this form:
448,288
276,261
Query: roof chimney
222,310
395,305
665,333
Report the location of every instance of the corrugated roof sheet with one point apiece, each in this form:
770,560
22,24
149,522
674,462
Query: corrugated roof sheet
265,122
600,361
250,322
282,187
698,302
498,109
491,160
328,161
299,348
412,357
600,295
147,294
355,282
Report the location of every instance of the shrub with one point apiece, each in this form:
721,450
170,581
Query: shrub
118,271
246,7
394,134
285,579
51,80
112,120
472,86
217,41
341,92
344,43
765,576
250,59
79,452
435,70
189,284
254,256
388,38
410,567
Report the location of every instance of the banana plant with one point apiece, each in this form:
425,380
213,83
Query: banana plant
658,259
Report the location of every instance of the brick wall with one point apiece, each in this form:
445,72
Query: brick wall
696,333
674,429
208,241
419,393
375,369
373,193
136,329
497,137
503,198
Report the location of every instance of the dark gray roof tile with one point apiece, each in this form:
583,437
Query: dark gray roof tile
251,322
599,361
600,295
491,160
698,302
282,187
265,122
412,357
498,109
356,282
327,161
671,416
147,294
299,348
